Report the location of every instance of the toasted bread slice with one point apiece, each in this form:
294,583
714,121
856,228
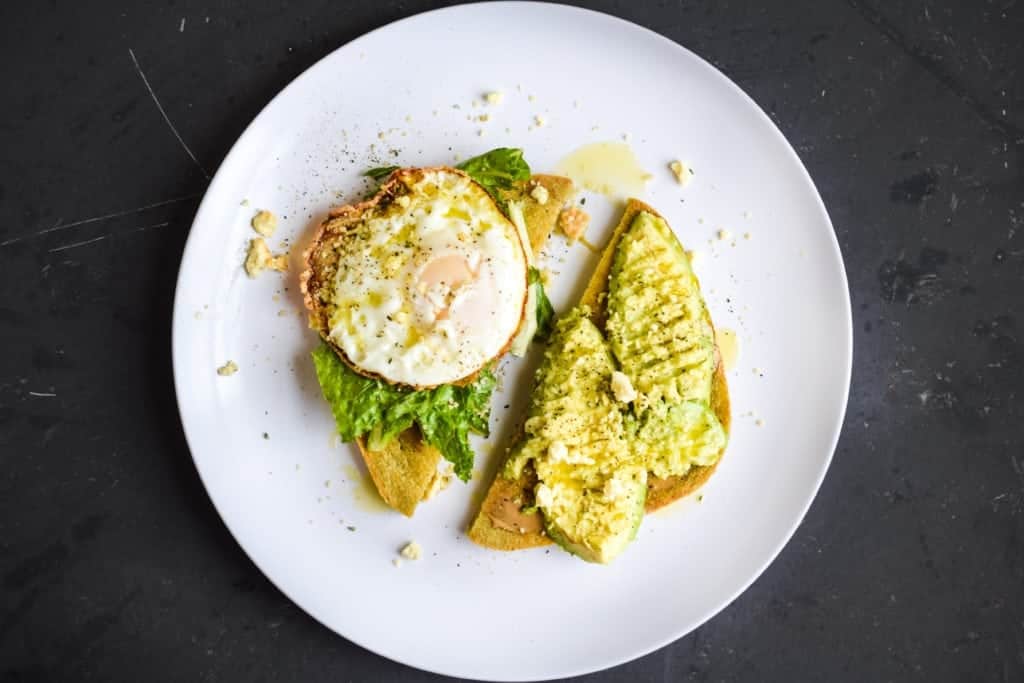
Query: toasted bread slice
404,470
500,524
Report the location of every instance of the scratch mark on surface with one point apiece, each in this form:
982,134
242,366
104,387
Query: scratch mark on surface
96,219
145,81
932,64
181,29
79,244
42,394
103,237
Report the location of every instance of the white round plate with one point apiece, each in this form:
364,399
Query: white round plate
411,94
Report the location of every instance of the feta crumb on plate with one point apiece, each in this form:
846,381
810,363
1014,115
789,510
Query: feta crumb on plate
259,258
412,551
228,369
573,222
682,172
264,222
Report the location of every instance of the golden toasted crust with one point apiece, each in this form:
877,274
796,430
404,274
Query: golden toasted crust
541,218
504,501
404,469
660,492
321,257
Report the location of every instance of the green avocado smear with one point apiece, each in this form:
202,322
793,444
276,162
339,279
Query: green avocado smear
611,407
590,488
660,332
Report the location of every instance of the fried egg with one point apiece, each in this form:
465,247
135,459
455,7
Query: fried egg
426,283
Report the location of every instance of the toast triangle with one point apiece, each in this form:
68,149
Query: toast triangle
499,524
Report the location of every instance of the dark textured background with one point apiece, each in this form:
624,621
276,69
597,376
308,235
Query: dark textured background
910,564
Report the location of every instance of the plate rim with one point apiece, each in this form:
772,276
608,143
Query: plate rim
179,323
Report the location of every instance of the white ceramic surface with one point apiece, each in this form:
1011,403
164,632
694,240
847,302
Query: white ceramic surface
289,497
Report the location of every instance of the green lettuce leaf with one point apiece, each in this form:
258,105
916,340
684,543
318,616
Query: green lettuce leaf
380,172
357,402
545,311
377,176
476,399
446,414
497,170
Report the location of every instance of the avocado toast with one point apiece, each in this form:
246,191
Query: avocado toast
645,298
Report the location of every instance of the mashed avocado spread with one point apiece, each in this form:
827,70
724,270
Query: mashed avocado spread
605,412
590,488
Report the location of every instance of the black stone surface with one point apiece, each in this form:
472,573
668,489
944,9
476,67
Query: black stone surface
910,564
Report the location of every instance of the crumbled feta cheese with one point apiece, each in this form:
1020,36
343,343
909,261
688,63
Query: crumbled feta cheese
228,369
540,194
682,172
259,258
558,451
439,483
545,497
573,222
412,551
494,97
264,222
724,234
403,201
622,388
614,489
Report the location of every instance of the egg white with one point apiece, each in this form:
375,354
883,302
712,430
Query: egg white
431,285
